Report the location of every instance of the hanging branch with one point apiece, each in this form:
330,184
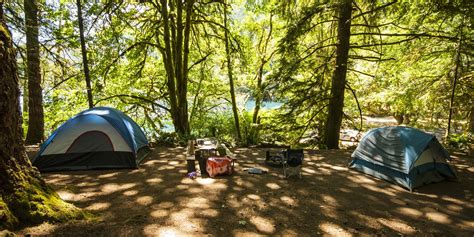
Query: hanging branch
370,58
142,63
198,91
387,43
358,105
367,22
199,61
374,10
134,97
61,82
309,122
20,50
151,122
107,68
106,6
455,80
413,35
363,73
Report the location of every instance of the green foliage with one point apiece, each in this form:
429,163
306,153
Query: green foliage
167,139
402,60
219,124
250,131
461,141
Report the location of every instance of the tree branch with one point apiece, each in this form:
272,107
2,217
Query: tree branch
363,73
199,61
388,43
373,10
61,82
358,105
107,69
134,97
414,35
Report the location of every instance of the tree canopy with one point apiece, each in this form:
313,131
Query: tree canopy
168,64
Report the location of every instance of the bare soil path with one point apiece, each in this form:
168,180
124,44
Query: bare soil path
159,200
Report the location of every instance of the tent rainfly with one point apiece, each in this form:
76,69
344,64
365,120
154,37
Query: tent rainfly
98,138
402,155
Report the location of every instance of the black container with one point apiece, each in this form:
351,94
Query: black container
202,163
191,165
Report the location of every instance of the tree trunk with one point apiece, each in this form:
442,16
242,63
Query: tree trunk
183,80
399,118
35,100
231,79
25,94
196,95
84,54
24,196
175,58
262,51
259,92
407,119
471,120
336,103
455,81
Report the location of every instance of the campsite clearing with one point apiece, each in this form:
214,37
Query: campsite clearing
158,199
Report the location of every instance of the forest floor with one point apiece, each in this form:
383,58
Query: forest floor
158,199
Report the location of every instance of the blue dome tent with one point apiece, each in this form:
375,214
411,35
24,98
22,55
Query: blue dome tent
402,155
97,138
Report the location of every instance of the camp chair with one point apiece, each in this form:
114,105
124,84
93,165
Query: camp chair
229,154
293,162
275,158
226,151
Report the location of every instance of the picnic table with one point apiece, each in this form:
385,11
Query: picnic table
202,149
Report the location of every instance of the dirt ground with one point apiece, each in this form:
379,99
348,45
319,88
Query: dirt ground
159,200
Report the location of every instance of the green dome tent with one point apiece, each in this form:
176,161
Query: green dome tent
403,155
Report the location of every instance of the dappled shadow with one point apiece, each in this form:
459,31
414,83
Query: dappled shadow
158,199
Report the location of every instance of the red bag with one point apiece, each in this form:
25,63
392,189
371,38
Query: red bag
219,165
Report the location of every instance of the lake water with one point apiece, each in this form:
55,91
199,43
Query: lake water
249,106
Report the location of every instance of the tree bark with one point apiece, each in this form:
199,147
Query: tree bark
455,81
183,91
263,60
25,94
169,65
259,92
231,79
471,120
84,54
24,196
35,100
399,118
336,103
175,58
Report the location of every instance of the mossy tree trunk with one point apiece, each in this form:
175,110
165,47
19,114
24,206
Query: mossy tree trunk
24,196
35,100
177,19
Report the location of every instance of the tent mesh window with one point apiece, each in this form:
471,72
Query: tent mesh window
91,141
